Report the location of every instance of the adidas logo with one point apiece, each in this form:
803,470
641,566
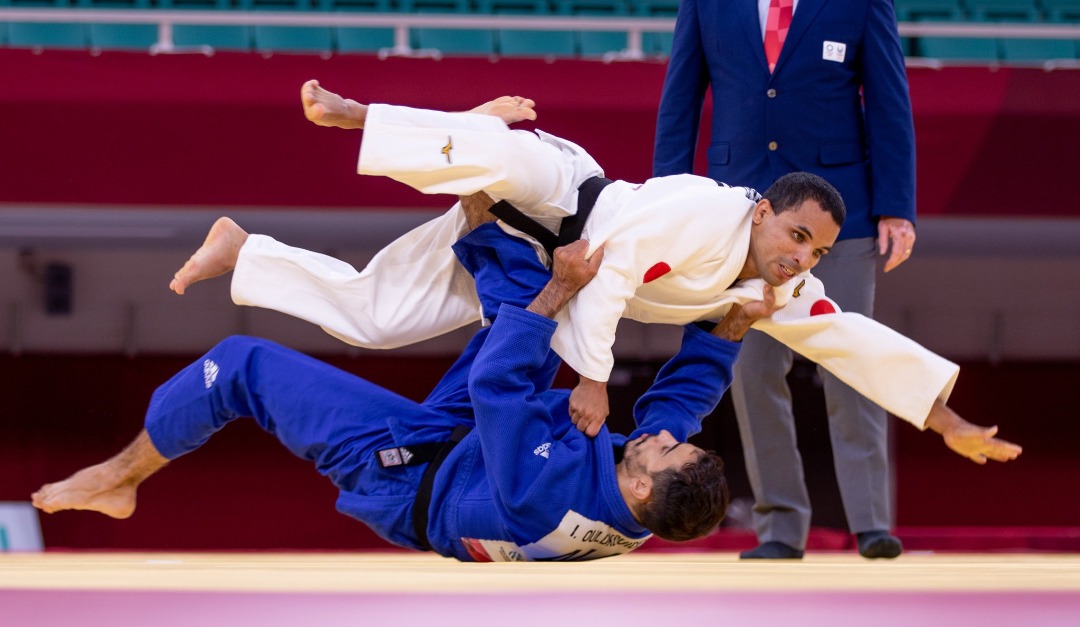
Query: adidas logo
406,455
210,372
544,450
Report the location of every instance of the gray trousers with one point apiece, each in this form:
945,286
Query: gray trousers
858,428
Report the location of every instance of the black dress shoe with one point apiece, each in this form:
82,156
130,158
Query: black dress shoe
772,551
879,543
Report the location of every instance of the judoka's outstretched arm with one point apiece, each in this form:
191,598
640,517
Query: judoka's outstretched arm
512,415
895,372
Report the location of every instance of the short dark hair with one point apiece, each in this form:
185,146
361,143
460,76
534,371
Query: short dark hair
687,502
792,190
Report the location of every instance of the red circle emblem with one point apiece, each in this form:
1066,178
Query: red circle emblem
656,272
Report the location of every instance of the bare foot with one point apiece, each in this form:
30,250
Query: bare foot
326,108
509,109
214,258
95,488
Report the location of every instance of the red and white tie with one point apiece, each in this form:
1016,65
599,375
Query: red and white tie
776,28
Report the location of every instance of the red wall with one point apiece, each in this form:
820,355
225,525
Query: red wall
124,128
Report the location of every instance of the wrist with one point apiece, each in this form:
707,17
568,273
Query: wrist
551,299
733,326
586,382
942,419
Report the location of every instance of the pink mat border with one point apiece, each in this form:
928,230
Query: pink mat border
48,608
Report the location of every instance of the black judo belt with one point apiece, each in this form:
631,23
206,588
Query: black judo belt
435,454
571,227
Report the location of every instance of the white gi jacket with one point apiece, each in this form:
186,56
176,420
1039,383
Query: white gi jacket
674,247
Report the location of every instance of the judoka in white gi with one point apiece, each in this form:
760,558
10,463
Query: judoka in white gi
678,249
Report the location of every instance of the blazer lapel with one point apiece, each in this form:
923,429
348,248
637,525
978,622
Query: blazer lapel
746,13
804,15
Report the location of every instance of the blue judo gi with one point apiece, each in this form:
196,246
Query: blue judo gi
524,484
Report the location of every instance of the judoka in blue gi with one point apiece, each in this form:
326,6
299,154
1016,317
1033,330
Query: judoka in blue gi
489,467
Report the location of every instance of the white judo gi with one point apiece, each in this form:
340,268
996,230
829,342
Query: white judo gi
674,247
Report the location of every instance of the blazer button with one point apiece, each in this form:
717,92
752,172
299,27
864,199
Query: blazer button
773,145
771,93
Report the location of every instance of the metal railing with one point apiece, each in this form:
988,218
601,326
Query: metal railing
401,23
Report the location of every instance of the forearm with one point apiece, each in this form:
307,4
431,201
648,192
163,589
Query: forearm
555,295
516,346
893,371
570,271
943,419
688,387
592,385
734,325
508,411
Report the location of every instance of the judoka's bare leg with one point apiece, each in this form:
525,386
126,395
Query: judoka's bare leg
325,108
108,487
476,208
215,257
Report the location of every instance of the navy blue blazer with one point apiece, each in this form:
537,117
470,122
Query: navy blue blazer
837,104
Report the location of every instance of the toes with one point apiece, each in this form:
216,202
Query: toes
40,500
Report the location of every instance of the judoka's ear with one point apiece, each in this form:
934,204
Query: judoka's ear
762,209
641,487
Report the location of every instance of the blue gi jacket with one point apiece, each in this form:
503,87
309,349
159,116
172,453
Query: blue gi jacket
526,484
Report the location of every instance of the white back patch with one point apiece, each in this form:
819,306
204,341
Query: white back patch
577,538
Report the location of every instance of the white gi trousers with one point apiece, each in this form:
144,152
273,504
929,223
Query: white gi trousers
415,289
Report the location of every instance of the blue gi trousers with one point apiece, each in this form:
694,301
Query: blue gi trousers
324,415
